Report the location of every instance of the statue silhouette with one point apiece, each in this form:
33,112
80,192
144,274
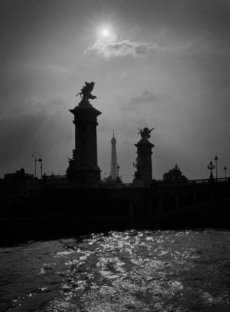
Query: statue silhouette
145,133
86,90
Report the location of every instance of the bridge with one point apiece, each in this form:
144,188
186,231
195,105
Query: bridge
60,209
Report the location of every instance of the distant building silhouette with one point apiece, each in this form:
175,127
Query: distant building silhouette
114,165
20,176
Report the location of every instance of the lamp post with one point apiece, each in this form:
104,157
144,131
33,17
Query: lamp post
225,173
118,170
211,166
216,160
37,158
40,160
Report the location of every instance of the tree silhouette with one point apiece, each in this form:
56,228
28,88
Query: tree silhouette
174,176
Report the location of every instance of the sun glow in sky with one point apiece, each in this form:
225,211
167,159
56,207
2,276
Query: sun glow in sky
106,33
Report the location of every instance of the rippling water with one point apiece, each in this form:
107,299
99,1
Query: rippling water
122,271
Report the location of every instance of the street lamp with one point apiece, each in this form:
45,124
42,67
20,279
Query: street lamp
40,160
225,173
216,160
118,170
37,158
211,166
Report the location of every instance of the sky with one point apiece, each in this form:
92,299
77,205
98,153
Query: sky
160,64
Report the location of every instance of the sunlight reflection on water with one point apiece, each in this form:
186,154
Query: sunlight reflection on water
122,271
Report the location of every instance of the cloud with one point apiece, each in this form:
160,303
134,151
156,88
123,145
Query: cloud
116,48
136,102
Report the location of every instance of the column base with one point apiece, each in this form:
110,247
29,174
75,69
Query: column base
86,177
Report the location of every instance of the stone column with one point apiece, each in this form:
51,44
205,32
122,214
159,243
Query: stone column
85,171
144,160
143,174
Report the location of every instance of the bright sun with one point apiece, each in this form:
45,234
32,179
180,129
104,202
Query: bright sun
106,33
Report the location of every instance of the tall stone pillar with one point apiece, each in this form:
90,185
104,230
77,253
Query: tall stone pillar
143,174
83,168
114,165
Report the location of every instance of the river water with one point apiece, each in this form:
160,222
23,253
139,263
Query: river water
168,271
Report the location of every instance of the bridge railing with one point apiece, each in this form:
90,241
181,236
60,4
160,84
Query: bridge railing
208,180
